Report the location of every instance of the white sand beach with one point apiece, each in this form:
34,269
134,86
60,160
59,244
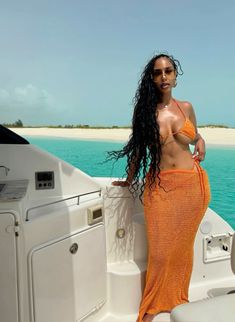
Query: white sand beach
215,136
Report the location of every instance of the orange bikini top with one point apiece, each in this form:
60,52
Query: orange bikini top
187,129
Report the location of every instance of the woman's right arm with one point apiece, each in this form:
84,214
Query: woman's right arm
129,179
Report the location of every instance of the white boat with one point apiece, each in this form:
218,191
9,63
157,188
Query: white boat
73,248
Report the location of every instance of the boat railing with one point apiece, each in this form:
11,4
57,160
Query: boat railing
59,201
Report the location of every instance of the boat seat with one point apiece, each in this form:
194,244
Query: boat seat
217,309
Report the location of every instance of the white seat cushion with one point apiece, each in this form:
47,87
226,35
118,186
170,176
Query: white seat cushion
218,309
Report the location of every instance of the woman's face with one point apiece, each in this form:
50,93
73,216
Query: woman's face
164,74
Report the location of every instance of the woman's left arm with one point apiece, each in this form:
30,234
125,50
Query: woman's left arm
199,147
199,143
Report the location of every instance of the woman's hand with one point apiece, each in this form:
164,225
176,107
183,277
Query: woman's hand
200,149
121,183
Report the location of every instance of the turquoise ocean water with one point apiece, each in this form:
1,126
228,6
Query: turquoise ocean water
89,156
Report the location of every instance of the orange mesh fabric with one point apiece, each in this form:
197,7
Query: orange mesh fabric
188,129
173,213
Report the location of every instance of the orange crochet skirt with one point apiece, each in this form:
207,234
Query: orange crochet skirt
173,212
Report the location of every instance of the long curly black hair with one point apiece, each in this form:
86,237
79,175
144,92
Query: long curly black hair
144,147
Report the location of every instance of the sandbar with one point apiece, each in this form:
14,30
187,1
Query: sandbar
212,135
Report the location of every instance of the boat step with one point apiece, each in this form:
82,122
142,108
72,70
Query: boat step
126,282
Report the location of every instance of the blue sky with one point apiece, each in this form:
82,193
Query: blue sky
79,61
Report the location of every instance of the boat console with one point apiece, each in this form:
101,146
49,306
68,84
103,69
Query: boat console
52,238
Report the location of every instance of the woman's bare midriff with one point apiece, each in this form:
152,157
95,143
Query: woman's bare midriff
176,156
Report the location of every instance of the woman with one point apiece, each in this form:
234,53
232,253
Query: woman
176,188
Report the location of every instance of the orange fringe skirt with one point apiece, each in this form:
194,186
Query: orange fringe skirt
173,212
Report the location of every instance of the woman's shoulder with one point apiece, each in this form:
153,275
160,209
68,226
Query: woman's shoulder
186,106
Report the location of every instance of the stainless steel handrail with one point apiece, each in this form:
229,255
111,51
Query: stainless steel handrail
61,200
